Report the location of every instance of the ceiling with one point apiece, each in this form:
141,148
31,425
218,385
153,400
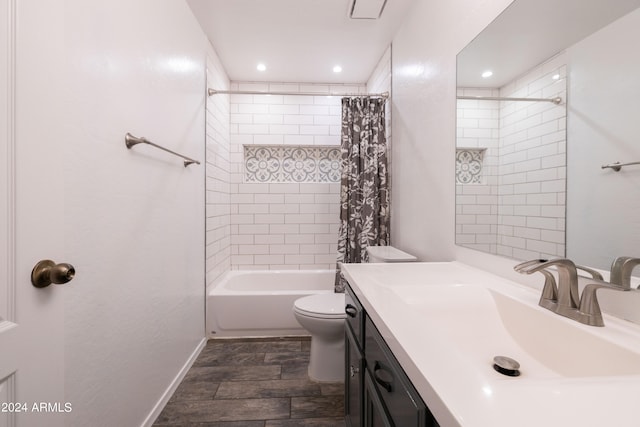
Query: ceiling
529,32
298,40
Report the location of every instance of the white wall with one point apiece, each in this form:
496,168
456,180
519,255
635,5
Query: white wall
603,205
134,226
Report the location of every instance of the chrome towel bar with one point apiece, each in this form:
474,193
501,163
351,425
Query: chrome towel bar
131,140
617,165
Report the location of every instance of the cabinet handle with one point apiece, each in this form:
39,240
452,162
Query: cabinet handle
351,310
377,370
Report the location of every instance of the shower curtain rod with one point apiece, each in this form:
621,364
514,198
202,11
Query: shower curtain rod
557,100
211,92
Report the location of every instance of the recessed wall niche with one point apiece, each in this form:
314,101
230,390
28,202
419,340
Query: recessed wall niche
469,165
299,163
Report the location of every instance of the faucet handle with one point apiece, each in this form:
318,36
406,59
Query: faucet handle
589,311
594,273
621,270
589,306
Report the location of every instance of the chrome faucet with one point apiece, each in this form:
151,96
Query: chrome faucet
621,270
565,299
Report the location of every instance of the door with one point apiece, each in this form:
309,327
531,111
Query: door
31,212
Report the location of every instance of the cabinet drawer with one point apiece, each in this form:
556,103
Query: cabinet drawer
403,404
355,316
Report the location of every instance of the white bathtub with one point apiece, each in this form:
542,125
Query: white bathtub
260,303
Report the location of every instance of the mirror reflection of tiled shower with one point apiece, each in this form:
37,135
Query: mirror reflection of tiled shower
510,166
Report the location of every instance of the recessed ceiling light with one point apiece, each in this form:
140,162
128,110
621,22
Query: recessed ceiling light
555,76
337,69
487,74
261,67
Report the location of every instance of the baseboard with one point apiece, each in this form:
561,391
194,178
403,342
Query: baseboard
155,412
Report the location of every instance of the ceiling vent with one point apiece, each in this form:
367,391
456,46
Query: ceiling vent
367,9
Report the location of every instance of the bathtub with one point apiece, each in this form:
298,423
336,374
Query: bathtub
260,302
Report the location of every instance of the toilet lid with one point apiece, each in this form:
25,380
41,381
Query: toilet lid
329,305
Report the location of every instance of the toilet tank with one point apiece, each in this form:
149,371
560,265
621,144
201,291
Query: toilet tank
388,254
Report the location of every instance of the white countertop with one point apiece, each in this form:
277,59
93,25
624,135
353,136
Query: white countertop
453,372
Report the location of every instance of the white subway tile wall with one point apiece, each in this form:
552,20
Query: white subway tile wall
478,127
253,225
218,168
529,180
283,225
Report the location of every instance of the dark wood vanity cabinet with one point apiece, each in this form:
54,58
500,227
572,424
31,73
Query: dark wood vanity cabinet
377,390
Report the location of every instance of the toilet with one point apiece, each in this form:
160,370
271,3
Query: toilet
323,316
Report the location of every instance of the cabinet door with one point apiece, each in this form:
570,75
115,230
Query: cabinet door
374,412
353,384
355,316
401,401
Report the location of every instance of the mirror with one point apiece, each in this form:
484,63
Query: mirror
529,176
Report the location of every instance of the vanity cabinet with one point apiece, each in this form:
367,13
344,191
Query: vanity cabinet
377,390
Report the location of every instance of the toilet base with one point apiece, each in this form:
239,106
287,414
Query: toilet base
326,363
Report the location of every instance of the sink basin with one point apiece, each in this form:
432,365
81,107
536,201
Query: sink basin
482,323
445,323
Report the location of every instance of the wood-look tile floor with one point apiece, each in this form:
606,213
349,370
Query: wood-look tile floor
260,382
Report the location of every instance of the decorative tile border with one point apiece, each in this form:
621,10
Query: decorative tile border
469,165
299,163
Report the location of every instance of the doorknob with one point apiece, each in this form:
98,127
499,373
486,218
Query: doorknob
47,272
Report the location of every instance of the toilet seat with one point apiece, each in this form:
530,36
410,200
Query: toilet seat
324,306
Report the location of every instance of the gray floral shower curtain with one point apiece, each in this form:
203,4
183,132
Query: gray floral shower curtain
364,193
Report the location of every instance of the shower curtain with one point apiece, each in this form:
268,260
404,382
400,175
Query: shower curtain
364,193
